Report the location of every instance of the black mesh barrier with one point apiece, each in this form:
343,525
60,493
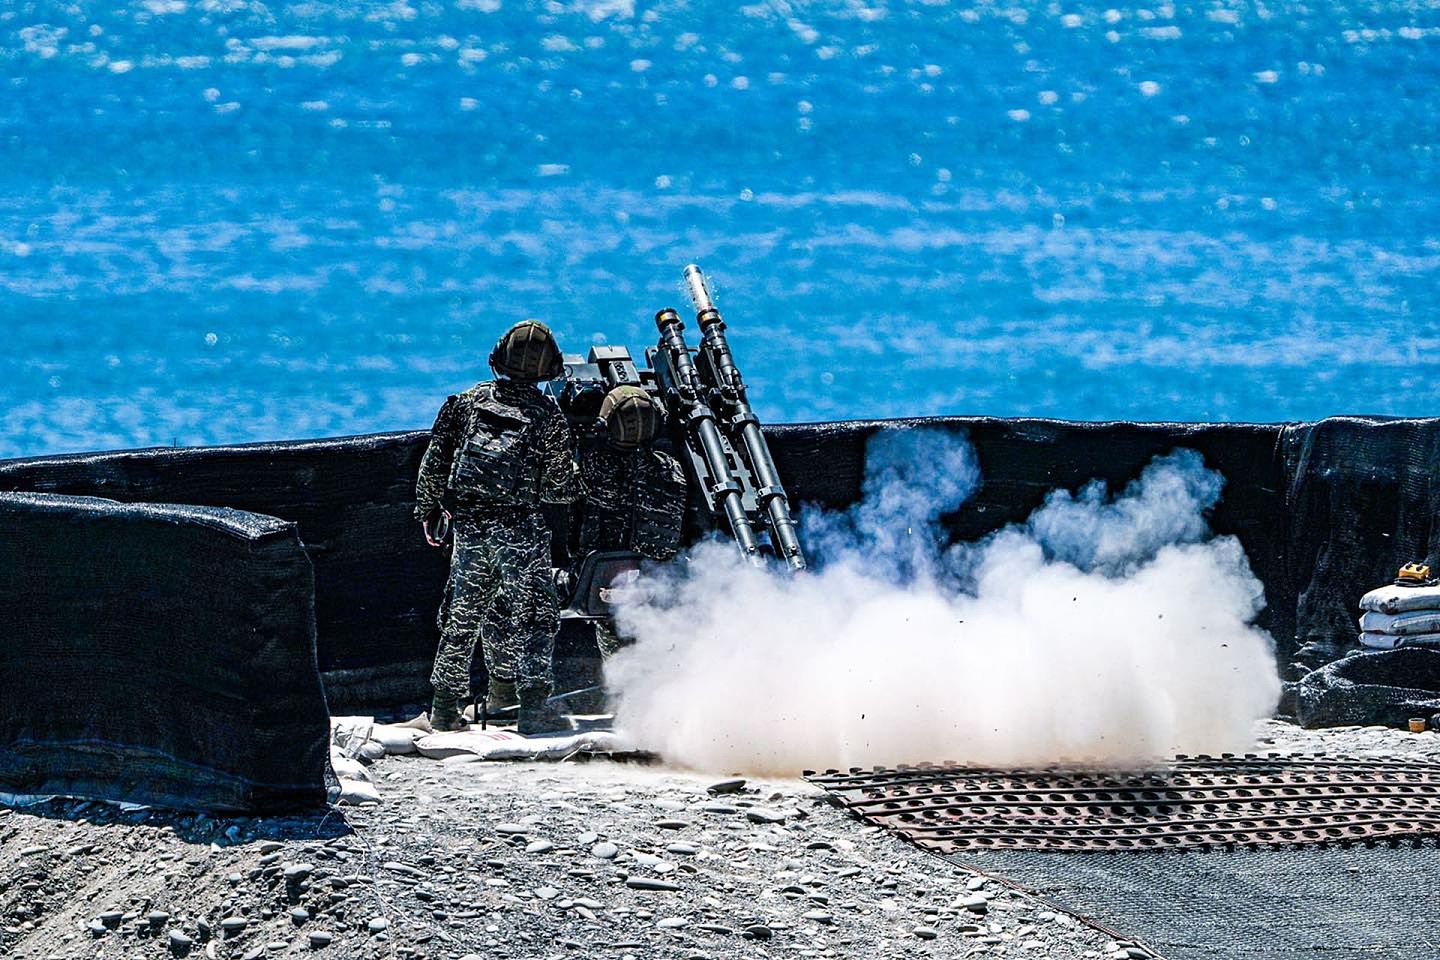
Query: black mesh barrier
377,585
158,654
1361,498
1325,512
1388,687
1345,903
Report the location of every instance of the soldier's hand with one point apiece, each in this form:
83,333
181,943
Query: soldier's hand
435,533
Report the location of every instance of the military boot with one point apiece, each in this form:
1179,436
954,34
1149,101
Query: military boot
537,715
445,715
499,695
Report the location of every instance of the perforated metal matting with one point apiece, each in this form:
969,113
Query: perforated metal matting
1193,803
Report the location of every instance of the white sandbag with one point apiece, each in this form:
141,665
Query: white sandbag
355,783
350,733
1393,599
1389,641
508,745
396,739
1413,623
1380,641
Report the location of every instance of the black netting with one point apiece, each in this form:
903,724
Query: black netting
1262,904
158,654
1361,499
1325,512
1387,687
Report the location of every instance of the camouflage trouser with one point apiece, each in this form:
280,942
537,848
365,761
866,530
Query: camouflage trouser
500,594
608,640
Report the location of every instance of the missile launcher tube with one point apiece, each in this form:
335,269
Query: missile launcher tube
770,492
700,421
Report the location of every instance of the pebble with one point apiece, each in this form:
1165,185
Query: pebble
299,915
926,933
672,824
253,954
818,916
726,786
683,849
378,925
270,846
605,850
649,883
111,918
157,918
670,923
233,925
98,929
33,850
296,872
398,867
179,943
546,893
539,846
511,829
320,938
760,931
766,815
975,904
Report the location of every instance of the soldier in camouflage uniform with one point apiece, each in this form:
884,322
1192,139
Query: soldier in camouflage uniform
497,452
635,494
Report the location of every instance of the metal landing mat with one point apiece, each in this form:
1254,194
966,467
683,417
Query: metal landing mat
1196,802
1259,858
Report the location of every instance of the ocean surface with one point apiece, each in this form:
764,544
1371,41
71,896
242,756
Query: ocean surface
231,221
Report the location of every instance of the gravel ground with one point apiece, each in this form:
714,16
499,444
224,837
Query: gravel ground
489,860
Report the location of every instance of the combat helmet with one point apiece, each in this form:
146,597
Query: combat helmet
527,351
632,416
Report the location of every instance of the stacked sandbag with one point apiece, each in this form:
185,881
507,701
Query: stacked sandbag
1405,613
357,742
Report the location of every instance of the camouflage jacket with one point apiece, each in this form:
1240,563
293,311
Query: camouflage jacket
634,500
499,445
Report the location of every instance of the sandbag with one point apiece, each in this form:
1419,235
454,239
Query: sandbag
509,745
1393,599
1389,641
158,654
1401,624
1386,688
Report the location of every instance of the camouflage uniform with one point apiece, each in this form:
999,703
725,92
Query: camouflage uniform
497,451
635,500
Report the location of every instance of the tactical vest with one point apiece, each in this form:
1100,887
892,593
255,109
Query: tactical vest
635,500
496,464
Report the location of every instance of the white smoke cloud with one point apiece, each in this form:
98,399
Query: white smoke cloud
1105,630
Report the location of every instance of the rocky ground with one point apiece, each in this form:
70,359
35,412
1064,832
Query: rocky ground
518,860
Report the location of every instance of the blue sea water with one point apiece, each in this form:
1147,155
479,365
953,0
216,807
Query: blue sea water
224,220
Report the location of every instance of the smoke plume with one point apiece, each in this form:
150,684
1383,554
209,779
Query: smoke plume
1106,629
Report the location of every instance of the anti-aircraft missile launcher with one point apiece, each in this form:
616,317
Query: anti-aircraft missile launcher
710,427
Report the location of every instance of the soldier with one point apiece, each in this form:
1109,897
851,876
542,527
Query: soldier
497,452
635,494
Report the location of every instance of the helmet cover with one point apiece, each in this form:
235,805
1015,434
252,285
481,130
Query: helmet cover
632,416
527,351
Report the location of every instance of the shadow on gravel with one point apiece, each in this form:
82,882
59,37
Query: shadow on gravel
198,828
